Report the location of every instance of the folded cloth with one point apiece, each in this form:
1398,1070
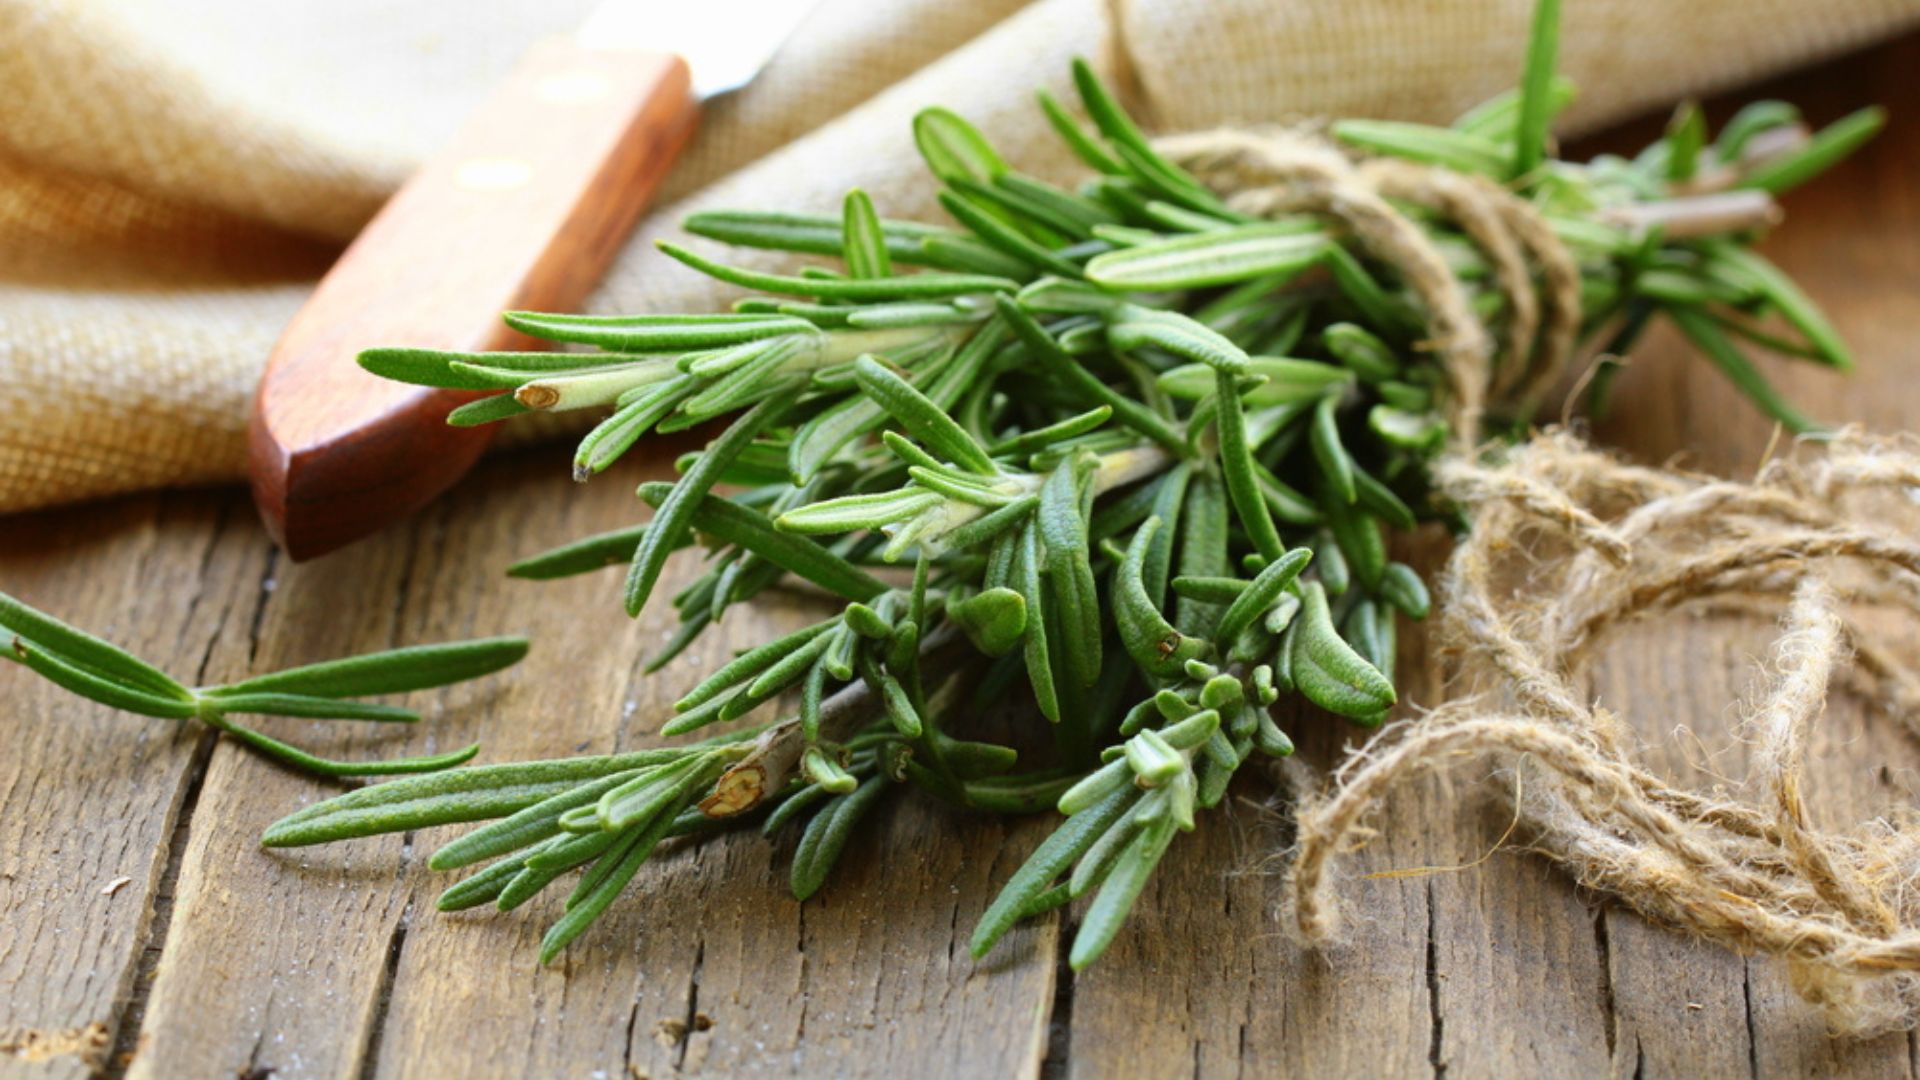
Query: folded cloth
174,177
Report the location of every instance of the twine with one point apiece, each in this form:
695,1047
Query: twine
1569,544
1274,172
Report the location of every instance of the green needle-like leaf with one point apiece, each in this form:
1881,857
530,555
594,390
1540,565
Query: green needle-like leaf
1262,593
1069,574
1048,861
653,333
1131,146
1004,237
745,527
903,287
1039,651
1752,119
581,556
814,234
866,242
297,758
827,834
223,703
675,514
1780,293
474,794
1149,638
1460,151
1137,327
1117,894
1686,138
1237,466
614,870
1822,152
953,148
1330,452
416,667
1536,89
922,417
1126,410
1219,257
1328,671
523,827
89,684
1713,342
81,649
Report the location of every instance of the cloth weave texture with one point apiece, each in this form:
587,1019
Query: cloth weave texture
174,176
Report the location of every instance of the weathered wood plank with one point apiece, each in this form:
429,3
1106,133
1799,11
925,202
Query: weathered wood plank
1686,1008
1853,242
307,962
331,962
89,796
1680,1006
1207,981
1485,969
265,967
1527,978
708,964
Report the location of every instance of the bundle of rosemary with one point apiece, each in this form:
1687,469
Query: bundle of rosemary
1139,443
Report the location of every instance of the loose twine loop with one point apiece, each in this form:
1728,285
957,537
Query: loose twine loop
1568,545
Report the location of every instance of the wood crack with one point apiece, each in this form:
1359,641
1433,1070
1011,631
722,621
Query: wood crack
1753,1034
1435,1046
691,1024
627,1067
132,1016
267,582
383,993
137,983
1609,1015
800,946
390,970
1060,1018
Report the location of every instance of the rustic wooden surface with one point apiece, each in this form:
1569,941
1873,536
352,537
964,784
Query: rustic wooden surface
142,930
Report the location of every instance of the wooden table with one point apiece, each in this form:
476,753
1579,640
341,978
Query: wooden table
142,926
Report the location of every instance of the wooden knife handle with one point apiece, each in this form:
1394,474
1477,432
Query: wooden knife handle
522,210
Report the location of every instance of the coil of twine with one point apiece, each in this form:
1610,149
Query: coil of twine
1568,544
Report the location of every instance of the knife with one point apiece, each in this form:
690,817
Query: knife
523,209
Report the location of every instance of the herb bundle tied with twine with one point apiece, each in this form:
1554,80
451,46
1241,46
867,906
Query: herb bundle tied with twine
1127,457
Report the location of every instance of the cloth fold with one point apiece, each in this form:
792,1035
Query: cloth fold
173,178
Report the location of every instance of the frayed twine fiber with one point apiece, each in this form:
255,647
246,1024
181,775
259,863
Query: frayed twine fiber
1533,592
1568,544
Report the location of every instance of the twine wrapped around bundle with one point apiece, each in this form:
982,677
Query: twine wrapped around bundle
1277,172
1567,545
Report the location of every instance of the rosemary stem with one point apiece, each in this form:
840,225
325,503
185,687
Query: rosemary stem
776,754
1769,145
1687,217
1123,467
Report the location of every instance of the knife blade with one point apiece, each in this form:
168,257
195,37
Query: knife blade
523,209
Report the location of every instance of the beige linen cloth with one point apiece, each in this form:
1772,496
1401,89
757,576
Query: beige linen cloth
175,174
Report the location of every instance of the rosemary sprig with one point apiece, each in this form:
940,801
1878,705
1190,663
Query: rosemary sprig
1140,449
86,665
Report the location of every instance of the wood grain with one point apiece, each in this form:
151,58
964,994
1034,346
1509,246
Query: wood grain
523,209
218,958
89,797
